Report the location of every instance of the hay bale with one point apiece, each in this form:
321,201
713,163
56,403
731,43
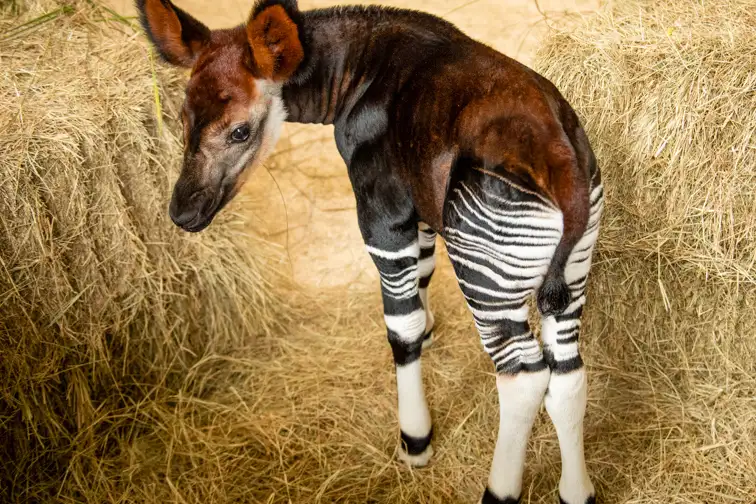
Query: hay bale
106,307
667,92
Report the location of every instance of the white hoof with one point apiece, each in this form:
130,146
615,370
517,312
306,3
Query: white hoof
419,460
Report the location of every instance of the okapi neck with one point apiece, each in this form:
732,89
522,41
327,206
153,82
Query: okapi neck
321,89
350,50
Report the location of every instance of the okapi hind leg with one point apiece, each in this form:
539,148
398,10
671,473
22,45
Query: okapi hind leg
500,239
566,397
426,266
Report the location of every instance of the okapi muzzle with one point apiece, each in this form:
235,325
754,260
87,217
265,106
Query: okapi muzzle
193,209
193,206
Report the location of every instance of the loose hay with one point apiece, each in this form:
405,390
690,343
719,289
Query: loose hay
172,411
108,311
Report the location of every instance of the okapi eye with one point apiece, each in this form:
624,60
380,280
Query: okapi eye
240,134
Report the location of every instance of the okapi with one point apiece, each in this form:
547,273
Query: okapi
441,135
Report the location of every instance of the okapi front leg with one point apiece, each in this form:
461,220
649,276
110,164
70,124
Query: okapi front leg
405,322
426,267
388,224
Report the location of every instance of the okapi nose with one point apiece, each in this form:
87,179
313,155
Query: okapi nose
185,204
181,217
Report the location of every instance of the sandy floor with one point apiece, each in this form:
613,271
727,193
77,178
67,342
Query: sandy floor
306,190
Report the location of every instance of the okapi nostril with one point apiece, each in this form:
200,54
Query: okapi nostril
184,217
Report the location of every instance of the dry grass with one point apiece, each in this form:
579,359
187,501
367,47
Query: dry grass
307,414
108,312
670,94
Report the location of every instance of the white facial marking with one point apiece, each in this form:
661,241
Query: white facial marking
276,114
269,105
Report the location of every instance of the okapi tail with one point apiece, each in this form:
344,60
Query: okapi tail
554,295
570,188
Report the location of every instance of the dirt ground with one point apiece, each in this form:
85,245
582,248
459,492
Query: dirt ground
305,190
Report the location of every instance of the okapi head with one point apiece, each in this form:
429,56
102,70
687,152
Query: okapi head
233,111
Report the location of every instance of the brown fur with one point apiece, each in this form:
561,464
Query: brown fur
275,43
178,37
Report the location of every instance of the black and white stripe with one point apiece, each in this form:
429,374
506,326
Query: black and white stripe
501,245
403,310
560,333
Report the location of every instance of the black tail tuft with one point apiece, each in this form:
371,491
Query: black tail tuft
554,295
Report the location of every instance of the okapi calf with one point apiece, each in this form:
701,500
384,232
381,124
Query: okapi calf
440,134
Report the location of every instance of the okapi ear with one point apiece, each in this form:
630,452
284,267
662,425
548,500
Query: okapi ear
176,35
274,36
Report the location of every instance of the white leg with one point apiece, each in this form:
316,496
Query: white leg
405,336
565,403
520,398
414,417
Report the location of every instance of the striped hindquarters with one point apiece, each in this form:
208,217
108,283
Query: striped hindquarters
501,238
